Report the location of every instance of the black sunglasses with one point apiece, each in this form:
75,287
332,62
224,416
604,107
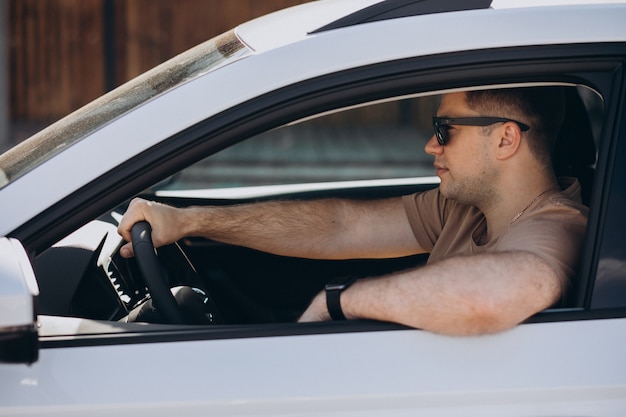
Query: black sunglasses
441,125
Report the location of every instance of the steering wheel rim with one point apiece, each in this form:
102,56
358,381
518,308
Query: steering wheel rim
153,274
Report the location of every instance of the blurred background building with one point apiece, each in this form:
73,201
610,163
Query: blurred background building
61,54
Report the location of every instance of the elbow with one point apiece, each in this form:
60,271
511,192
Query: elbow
496,311
492,316
487,318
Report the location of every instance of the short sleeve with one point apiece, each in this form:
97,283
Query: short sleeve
427,213
555,232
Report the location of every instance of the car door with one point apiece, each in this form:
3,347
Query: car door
565,361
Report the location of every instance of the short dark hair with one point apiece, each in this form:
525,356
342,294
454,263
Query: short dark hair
541,108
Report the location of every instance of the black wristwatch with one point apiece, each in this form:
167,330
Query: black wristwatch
333,296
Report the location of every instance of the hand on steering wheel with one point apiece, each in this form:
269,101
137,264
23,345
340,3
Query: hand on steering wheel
157,282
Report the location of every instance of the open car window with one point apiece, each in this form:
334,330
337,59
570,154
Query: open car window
378,142
372,146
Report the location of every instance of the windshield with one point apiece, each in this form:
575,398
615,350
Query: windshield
42,146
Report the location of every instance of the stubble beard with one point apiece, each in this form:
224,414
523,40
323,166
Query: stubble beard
478,192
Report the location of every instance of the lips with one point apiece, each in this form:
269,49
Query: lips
440,169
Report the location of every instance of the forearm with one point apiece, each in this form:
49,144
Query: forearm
459,296
322,229
292,228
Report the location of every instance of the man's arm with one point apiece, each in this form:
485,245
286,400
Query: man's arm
319,229
465,295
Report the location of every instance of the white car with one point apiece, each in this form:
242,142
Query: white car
330,98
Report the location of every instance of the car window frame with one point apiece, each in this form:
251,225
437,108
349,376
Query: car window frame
591,64
610,190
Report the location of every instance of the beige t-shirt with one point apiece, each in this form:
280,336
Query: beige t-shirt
553,228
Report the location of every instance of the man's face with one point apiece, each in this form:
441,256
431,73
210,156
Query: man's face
465,164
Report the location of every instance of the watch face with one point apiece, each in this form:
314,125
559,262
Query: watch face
336,287
340,284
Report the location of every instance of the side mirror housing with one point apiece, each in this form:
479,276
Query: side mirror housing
18,294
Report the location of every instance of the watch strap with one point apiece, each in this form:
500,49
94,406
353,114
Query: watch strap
333,297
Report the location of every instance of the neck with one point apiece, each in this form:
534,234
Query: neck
510,205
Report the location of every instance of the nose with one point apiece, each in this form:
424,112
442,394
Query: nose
433,147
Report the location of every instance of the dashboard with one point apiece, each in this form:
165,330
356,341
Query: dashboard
84,276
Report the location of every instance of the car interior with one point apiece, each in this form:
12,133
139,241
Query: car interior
337,154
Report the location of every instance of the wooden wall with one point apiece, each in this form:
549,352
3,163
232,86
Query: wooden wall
65,53
55,56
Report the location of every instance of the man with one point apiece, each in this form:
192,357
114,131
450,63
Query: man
503,236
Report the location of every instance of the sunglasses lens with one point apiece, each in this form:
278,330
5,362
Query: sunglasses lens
443,135
441,132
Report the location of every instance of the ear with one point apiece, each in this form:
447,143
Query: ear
509,140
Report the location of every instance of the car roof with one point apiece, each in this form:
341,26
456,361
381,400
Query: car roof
394,9
304,20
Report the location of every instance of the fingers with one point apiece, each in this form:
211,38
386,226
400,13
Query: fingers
138,210
134,214
127,251
162,218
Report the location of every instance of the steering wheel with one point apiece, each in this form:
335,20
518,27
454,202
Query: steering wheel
156,281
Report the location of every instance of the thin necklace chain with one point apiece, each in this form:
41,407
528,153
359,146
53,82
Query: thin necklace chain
483,236
533,201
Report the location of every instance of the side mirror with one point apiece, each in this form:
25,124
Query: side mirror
18,293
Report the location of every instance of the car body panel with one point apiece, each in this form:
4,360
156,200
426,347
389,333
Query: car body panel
18,285
18,293
373,373
295,22
260,36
